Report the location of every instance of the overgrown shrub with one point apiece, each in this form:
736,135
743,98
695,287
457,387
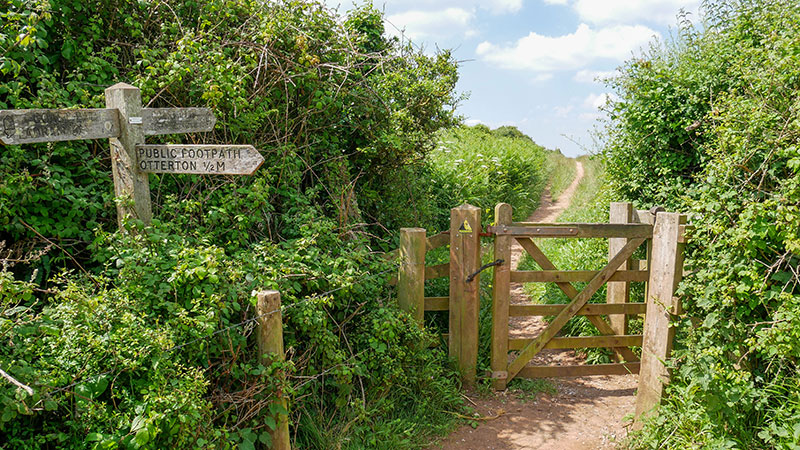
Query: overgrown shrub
144,340
483,168
707,123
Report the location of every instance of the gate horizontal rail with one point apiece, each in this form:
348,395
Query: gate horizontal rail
573,342
571,276
575,230
590,309
579,371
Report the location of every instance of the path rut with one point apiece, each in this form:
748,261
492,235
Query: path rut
585,413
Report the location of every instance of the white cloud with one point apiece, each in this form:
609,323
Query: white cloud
472,122
597,101
573,51
593,76
541,77
563,111
419,25
556,2
503,6
662,12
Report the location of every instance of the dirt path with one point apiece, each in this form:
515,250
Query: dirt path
585,413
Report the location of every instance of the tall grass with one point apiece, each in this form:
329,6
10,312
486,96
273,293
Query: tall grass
472,165
562,171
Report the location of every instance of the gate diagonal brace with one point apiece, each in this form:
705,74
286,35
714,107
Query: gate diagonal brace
571,292
535,346
496,262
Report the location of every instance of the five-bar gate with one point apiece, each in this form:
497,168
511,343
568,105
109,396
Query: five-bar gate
660,233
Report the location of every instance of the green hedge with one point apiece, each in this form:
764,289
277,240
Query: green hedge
142,341
707,123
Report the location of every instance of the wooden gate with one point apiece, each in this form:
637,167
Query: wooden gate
661,233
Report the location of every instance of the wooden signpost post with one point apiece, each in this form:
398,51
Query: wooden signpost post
125,123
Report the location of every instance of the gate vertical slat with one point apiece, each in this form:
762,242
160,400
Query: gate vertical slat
619,291
411,274
666,270
501,295
465,259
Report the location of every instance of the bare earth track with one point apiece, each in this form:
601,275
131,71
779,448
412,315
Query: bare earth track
585,413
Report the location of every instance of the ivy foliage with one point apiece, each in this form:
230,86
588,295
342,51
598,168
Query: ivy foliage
708,124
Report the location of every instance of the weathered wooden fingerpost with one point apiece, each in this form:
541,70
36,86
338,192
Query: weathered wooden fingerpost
666,269
501,298
411,276
465,259
619,291
270,342
130,183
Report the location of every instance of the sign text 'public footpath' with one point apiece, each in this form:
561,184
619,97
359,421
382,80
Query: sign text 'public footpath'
199,159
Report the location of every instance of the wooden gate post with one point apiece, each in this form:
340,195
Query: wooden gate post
501,293
270,340
619,291
465,259
666,269
411,276
129,181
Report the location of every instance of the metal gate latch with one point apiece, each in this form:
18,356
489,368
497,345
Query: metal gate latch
496,262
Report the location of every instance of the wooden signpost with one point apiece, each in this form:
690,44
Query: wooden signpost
125,123
29,126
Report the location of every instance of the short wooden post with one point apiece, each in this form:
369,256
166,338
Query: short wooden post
465,259
666,269
270,341
129,182
501,298
619,291
411,276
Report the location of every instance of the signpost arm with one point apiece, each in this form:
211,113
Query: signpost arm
130,183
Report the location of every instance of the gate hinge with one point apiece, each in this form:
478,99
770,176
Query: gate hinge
496,262
500,375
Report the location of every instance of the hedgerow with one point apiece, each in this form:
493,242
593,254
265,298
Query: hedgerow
707,124
145,340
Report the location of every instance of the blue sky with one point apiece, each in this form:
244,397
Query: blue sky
533,63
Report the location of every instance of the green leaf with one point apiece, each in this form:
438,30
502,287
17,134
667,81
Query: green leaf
270,422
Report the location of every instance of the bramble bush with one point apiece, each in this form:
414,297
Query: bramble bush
143,340
707,123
